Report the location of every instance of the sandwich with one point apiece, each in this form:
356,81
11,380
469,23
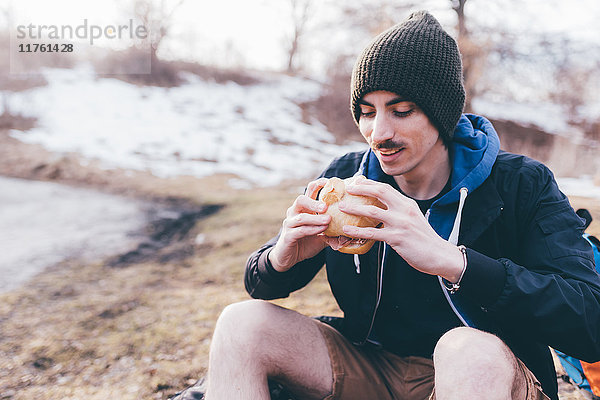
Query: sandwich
333,192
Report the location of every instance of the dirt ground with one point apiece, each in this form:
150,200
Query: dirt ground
141,330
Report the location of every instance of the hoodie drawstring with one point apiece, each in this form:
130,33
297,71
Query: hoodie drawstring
453,238
357,263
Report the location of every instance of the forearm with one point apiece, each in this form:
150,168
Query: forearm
262,281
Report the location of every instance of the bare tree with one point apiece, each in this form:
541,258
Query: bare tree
574,81
300,15
474,53
381,15
459,7
10,83
157,16
4,60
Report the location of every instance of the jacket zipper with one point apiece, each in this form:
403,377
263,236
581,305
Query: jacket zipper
380,262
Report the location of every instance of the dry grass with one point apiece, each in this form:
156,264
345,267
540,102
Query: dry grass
143,332
19,122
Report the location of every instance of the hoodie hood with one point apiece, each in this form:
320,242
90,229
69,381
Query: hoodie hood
473,152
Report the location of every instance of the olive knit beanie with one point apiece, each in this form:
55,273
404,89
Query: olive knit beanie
418,60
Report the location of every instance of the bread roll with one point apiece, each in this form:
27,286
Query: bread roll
333,192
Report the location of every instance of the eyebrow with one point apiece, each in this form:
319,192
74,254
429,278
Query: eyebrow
395,100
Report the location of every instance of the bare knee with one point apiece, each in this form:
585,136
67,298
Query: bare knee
249,312
244,324
236,352
255,340
478,359
470,344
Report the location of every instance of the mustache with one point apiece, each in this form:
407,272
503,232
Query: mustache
387,145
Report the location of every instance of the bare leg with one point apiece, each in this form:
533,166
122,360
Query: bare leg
471,364
255,340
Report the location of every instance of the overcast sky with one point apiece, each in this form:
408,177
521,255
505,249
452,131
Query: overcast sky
253,32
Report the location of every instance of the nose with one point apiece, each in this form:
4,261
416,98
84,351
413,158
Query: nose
382,129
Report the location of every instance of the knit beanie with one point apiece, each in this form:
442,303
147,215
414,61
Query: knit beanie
418,60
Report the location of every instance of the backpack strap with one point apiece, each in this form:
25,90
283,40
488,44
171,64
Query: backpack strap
584,214
594,241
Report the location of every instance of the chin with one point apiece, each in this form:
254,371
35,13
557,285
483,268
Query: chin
393,170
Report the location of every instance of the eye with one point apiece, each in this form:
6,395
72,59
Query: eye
403,114
367,113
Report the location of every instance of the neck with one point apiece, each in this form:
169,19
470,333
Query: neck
426,180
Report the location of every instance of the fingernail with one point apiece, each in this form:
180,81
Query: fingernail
321,207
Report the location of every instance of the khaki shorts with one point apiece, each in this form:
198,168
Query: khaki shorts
370,373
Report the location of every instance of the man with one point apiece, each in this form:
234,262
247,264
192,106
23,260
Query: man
480,264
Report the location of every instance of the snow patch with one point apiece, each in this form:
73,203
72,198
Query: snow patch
581,187
201,128
546,116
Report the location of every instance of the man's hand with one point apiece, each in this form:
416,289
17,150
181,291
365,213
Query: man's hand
405,229
298,239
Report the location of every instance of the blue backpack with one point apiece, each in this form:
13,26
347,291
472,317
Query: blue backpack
584,375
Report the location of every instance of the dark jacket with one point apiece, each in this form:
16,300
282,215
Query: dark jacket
530,277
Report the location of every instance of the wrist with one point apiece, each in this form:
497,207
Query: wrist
452,282
458,265
272,259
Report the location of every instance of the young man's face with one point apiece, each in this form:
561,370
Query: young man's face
400,134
